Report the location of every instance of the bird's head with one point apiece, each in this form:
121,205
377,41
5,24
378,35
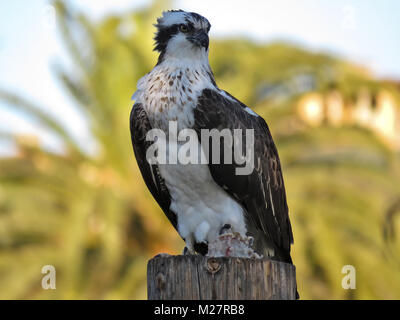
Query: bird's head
182,35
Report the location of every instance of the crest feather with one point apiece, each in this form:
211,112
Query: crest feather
171,17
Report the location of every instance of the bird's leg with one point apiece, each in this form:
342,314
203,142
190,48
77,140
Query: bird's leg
189,248
225,229
187,251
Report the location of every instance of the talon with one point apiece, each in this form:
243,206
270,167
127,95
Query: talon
237,235
188,252
225,228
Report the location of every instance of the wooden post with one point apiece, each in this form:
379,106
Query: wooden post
195,277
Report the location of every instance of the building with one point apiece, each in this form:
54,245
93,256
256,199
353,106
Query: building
379,113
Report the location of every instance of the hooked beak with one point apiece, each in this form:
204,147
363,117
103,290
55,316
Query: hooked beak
200,39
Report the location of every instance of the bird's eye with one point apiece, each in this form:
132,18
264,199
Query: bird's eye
183,28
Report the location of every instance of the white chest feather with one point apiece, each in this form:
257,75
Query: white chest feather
170,93
202,207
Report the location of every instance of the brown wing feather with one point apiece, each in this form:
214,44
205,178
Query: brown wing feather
139,126
262,193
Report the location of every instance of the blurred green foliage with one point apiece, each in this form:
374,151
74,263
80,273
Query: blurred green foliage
91,216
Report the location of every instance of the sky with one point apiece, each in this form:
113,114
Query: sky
363,31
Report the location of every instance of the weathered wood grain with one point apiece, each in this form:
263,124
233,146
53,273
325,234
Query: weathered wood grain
194,277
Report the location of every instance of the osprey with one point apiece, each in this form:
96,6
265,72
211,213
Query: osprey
206,202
